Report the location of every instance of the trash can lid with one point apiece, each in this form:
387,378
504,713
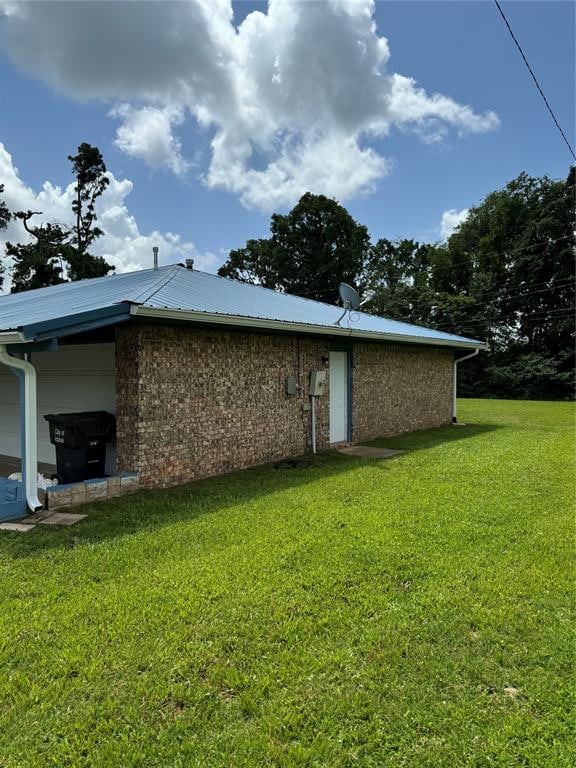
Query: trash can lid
74,418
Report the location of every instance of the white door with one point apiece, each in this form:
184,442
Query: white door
338,397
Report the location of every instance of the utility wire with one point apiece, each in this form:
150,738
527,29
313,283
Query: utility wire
474,257
511,296
467,260
470,259
540,314
517,291
513,36
565,313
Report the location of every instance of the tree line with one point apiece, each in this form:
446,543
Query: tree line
505,276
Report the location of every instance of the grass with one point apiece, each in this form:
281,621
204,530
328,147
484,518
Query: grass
410,612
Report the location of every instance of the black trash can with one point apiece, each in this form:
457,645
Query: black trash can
80,440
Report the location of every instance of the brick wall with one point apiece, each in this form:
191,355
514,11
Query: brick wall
193,402
399,389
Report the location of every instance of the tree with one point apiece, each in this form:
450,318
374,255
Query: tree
312,249
91,181
397,274
513,259
58,253
5,217
5,214
39,263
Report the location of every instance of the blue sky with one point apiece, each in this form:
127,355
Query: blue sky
459,49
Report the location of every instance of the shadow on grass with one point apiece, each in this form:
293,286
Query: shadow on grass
430,438
153,509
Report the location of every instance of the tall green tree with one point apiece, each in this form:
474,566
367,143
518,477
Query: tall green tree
5,217
505,276
311,250
91,181
398,275
516,252
56,253
5,214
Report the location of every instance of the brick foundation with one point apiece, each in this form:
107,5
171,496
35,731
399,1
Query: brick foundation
100,489
193,402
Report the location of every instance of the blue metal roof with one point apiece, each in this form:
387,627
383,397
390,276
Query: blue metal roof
198,297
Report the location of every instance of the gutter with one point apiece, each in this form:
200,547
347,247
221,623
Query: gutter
455,380
12,337
27,375
282,325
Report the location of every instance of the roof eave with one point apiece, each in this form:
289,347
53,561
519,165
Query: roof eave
73,324
281,325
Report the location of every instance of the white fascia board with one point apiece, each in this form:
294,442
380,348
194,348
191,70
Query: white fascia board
280,325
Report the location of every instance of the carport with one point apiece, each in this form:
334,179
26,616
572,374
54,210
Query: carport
57,355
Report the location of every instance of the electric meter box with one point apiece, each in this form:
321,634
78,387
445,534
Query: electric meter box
291,385
317,383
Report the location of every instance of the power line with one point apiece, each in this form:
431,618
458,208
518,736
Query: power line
554,314
513,36
511,296
468,260
518,290
554,283
472,257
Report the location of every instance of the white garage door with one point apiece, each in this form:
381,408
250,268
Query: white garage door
75,378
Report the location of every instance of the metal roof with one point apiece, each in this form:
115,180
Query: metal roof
176,292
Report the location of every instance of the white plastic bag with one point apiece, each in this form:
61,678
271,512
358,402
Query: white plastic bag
42,482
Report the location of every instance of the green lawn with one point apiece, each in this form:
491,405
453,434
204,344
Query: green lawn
409,612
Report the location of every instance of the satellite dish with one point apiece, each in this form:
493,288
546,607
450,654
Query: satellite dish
349,297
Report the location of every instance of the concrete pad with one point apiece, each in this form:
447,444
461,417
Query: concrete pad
16,527
369,452
37,517
62,518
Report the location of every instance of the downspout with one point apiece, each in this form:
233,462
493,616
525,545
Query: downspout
455,380
27,375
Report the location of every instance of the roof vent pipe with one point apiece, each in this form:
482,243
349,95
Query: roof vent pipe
155,252
189,263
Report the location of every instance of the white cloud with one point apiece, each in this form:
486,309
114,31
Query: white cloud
411,106
146,133
293,97
451,220
123,245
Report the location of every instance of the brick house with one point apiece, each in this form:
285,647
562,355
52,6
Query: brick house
208,375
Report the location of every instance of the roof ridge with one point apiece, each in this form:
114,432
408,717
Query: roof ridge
146,293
